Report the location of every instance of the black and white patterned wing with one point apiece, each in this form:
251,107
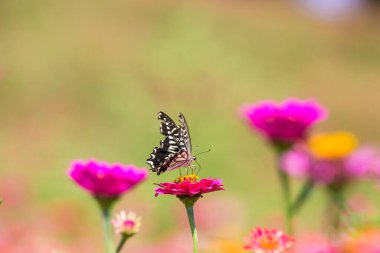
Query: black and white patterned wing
162,157
159,160
185,133
167,125
174,141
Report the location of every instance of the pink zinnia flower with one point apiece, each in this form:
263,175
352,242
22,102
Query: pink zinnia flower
126,224
268,241
188,186
327,163
106,180
286,122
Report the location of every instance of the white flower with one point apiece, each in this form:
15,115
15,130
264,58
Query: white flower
126,224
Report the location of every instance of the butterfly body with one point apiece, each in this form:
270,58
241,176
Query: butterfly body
175,150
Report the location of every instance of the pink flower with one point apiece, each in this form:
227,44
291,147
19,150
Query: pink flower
188,186
296,162
126,224
362,162
268,241
106,180
288,121
365,160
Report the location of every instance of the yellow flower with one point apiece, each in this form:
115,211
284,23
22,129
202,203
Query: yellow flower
332,145
190,178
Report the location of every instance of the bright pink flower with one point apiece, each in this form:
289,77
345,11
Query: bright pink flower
189,187
268,241
106,180
288,121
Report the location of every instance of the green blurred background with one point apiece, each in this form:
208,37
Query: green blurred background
82,79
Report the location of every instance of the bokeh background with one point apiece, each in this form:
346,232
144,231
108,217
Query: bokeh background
82,79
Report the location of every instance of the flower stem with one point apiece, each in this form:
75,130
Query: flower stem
121,243
336,210
105,205
303,195
280,149
190,215
107,231
285,186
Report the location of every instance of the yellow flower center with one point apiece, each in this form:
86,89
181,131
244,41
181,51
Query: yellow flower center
332,145
190,178
268,243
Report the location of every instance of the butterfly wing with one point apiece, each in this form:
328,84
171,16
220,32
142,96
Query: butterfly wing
168,155
185,133
159,160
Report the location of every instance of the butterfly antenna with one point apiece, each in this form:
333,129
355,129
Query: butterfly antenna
203,152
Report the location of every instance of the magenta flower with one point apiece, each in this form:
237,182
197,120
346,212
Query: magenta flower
286,122
189,190
189,187
106,180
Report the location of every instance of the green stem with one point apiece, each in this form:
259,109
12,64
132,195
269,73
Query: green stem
121,243
280,149
190,215
302,197
335,211
105,204
107,230
285,186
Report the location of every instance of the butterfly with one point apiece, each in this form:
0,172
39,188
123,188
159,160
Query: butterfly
175,150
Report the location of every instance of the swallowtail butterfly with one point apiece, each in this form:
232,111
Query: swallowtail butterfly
175,150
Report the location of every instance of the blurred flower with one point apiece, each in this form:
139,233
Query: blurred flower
268,241
188,186
126,224
364,160
106,180
296,162
332,145
315,244
364,240
286,122
329,158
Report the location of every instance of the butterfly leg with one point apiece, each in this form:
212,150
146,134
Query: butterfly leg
199,170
